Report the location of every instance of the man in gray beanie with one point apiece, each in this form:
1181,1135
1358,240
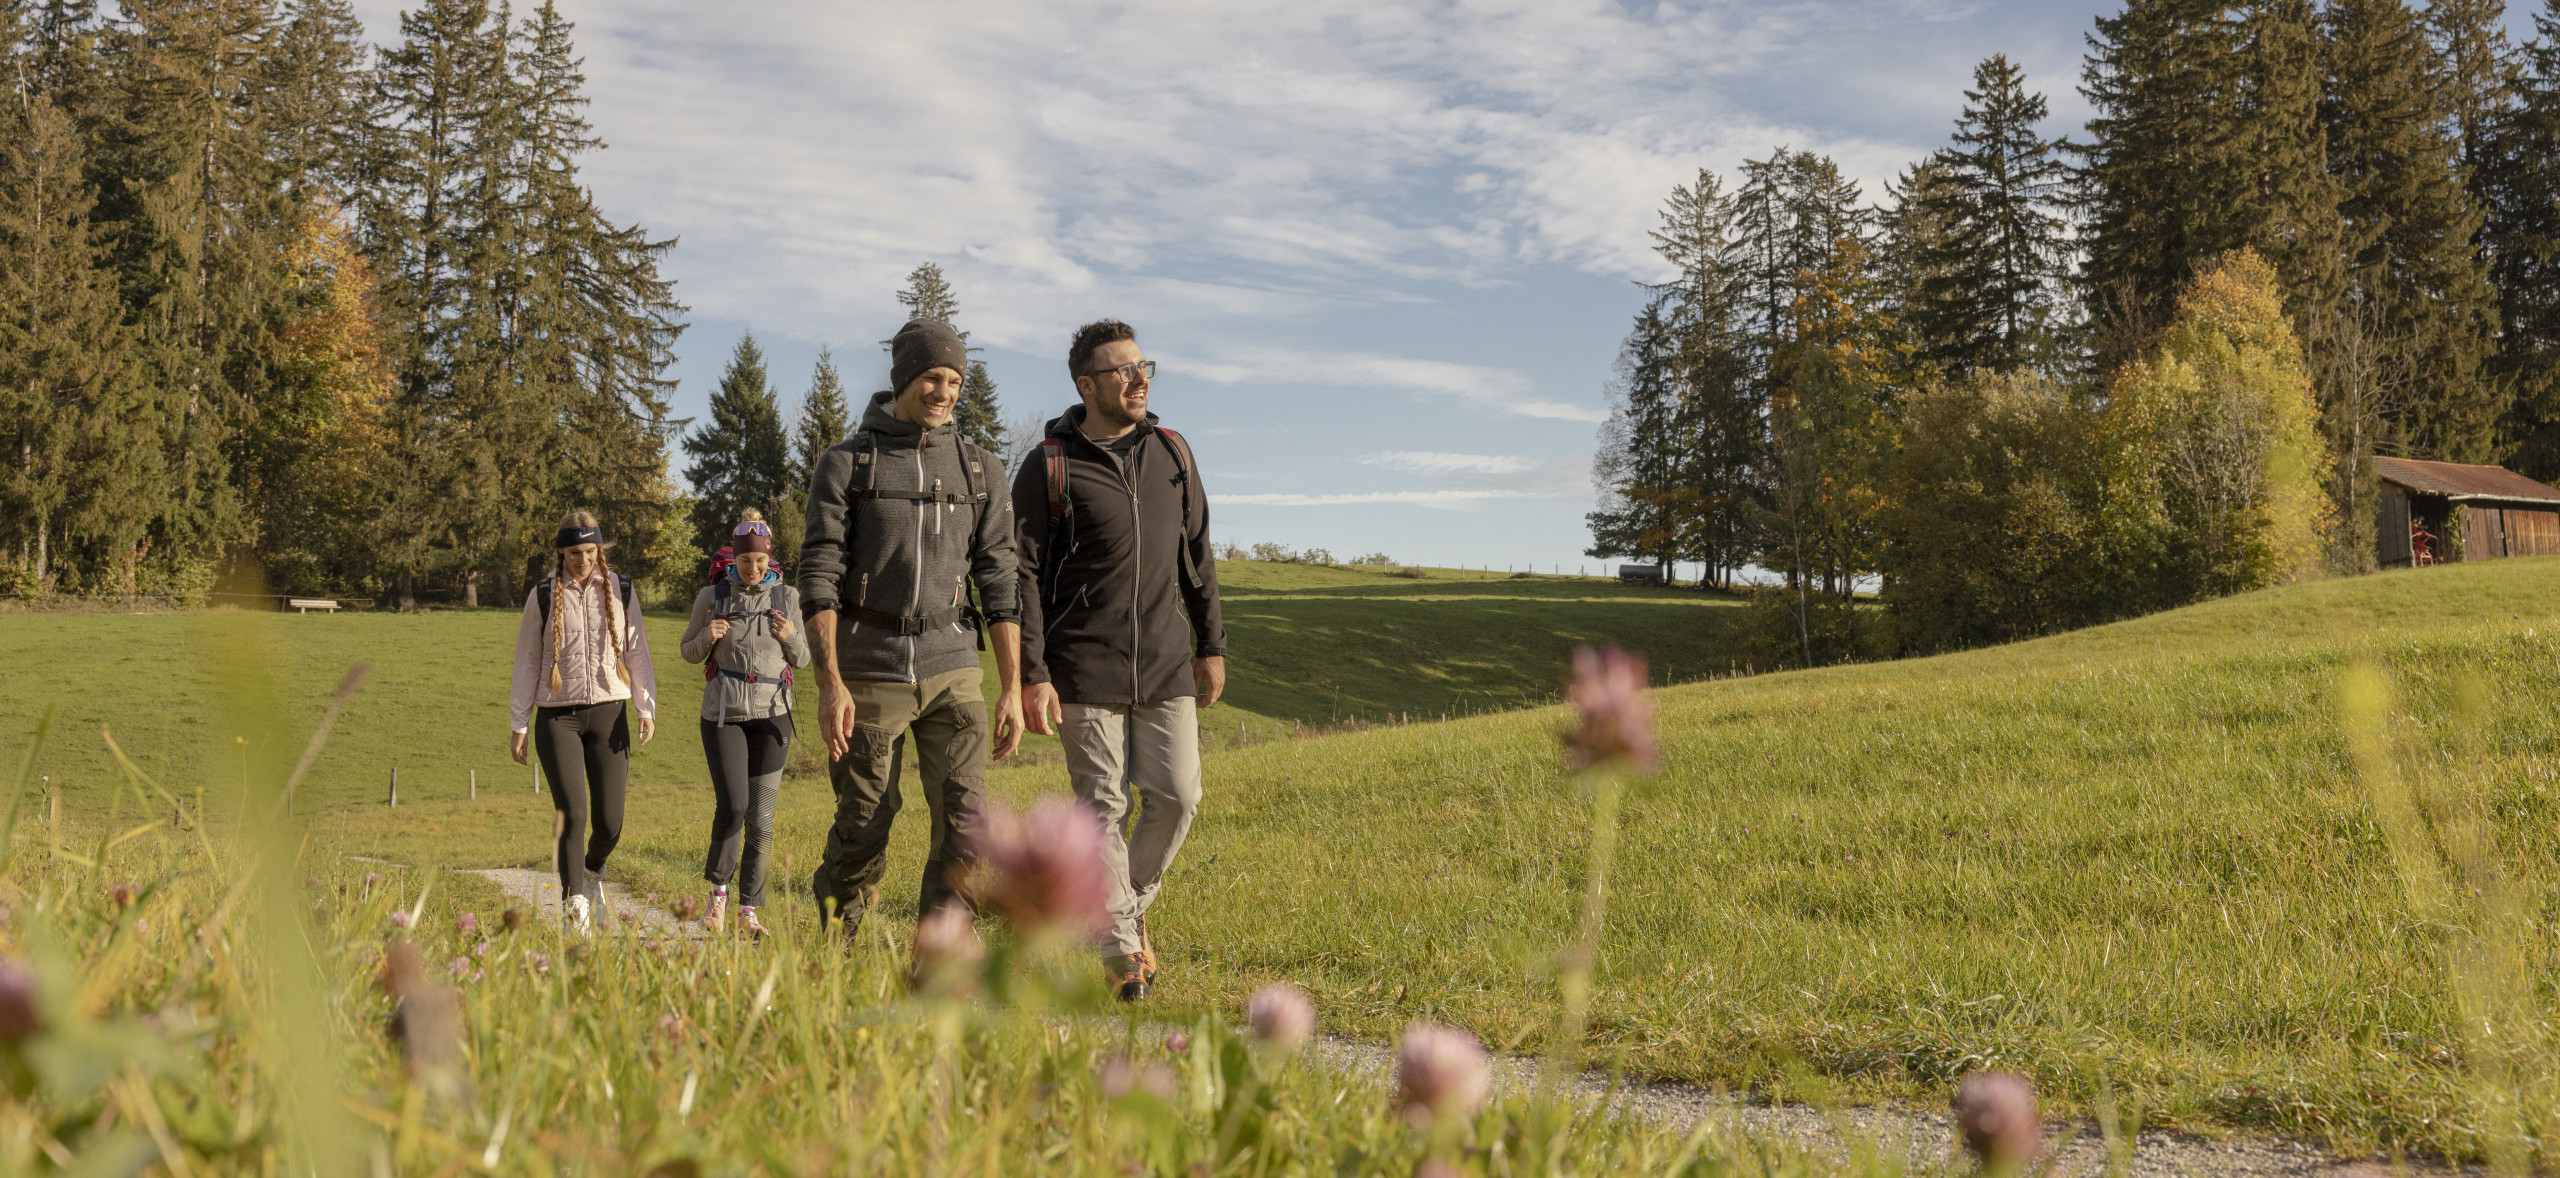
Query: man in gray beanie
904,518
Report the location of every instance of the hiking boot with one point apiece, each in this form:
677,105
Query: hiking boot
748,924
716,913
581,920
1146,954
1126,977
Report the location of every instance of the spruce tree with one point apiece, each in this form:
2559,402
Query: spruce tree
978,417
2410,222
1716,377
81,483
825,418
1640,463
1988,291
2523,238
1916,254
740,459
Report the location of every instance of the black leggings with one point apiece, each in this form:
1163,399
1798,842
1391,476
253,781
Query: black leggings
586,756
746,772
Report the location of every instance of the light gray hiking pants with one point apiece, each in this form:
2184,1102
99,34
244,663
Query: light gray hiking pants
1157,748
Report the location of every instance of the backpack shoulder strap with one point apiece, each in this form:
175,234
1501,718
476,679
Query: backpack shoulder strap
1181,451
1053,458
1184,467
542,593
630,595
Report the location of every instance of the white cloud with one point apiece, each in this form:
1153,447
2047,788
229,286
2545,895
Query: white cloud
1500,389
1423,498
1435,462
1046,154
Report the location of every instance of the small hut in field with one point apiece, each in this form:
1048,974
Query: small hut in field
2439,512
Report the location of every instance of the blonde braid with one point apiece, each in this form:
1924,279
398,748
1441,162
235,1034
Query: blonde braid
559,614
613,610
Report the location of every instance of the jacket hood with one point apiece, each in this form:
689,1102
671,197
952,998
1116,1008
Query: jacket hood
1072,421
881,417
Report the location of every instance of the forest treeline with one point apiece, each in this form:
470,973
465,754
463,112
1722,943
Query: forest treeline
345,316
2050,381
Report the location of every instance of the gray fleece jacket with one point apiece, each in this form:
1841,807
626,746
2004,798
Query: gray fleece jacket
750,663
899,524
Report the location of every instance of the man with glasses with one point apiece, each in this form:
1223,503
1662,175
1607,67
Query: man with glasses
1121,642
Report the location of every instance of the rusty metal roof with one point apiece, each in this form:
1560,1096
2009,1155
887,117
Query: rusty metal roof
2458,481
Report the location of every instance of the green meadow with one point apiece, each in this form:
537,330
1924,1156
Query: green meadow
2136,862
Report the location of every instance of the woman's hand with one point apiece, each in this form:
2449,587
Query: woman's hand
718,629
781,625
515,747
648,728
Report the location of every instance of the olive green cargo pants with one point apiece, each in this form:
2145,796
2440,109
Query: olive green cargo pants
948,714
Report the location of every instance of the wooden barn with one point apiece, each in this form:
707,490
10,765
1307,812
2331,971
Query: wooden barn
2435,512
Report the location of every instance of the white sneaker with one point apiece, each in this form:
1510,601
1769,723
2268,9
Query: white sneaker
716,913
579,920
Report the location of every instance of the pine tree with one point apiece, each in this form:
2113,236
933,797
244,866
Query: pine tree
979,417
1988,291
1716,377
740,459
82,457
1915,255
2206,139
1639,467
929,296
825,419
2523,239
2410,222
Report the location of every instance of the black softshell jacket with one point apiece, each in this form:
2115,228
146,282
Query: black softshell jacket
1116,614
902,557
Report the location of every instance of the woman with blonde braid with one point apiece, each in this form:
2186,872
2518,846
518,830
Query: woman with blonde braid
581,652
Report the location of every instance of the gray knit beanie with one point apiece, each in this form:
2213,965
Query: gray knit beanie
924,344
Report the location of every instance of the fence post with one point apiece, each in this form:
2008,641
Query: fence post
395,787
475,785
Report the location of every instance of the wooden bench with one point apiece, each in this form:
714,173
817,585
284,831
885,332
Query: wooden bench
304,605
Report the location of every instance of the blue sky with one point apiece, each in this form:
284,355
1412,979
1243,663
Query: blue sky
1385,252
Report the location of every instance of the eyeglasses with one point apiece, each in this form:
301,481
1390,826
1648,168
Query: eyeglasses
1129,373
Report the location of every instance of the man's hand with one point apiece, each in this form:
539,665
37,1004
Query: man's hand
1209,673
718,629
1040,705
648,728
835,718
1008,724
515,747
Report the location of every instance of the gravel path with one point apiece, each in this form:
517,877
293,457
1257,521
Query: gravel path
1925,1137
624,912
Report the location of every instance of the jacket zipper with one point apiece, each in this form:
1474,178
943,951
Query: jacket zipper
1137,559
915,584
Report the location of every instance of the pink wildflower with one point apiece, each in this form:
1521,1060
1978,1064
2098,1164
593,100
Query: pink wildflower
1608,687
1044,869
1440,1072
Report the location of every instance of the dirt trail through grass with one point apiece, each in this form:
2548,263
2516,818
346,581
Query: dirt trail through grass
1926,1139
623,912
1923,1137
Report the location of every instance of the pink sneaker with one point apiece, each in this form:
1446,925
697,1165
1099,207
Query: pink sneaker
716,912
748,924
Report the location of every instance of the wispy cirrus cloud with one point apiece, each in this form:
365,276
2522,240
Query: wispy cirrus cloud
1449,499
1498,389
1435,462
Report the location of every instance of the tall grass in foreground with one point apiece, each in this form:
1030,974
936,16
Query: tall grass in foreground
206,997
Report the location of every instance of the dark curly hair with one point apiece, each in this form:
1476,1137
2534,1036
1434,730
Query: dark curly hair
1090,338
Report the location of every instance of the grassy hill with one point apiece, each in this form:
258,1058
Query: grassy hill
2132,860
1310,647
